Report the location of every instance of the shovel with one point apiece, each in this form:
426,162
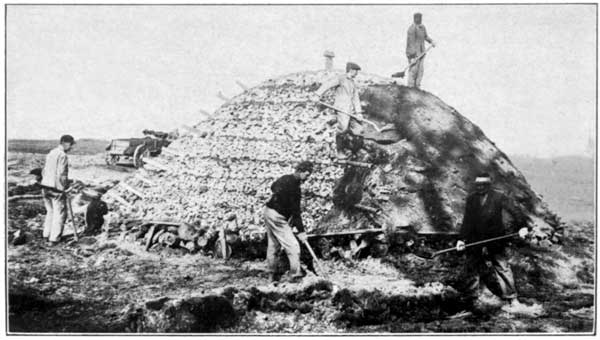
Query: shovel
315,259
402,74
430,255
373,124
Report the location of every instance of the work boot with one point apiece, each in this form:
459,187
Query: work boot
295,277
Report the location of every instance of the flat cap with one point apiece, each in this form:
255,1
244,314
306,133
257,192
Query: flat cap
352,66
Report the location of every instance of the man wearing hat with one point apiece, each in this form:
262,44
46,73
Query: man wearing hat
415,46
281,214
346,99
54,182
485,217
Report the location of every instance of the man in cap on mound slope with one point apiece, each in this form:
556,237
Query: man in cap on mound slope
281,214
54,182
488,213
346,99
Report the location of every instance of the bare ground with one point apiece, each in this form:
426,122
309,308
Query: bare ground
97,284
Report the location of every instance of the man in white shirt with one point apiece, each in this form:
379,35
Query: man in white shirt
54,182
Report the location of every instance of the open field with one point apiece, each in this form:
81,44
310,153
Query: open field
566,183
82,146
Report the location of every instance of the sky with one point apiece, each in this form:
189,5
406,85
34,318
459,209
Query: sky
526,74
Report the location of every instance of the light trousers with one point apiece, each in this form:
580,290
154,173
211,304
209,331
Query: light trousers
415,73
56,215
280,235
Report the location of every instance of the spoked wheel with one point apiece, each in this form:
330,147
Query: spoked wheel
140,152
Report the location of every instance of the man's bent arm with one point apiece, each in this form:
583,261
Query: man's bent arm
327,85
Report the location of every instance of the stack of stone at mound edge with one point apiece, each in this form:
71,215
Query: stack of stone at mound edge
228,164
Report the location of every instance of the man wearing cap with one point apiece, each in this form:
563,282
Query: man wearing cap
281,214
54,182
415,46
485,217
346,99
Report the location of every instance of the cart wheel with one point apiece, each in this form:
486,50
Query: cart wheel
219,252
140,152
112,159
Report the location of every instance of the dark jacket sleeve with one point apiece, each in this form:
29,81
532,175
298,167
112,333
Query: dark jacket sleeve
296,211
513,217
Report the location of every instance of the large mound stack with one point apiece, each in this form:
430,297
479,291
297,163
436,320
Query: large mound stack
226,164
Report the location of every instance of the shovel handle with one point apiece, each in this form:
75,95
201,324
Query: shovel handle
314,256
418,57
375,126
70,211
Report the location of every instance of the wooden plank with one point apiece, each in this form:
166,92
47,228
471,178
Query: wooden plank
240,84
132,189
118,198
354,163
144,179
367,208
347,232
24,197
155,163
221,96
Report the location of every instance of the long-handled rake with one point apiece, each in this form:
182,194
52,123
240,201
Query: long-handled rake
430,255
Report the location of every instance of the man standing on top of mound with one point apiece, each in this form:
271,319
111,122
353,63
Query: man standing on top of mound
347,100
487,214
54,182
281,214
415,47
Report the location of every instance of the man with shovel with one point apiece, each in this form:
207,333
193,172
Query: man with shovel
281,214
485,218
54,183
348,109
347,100
415,50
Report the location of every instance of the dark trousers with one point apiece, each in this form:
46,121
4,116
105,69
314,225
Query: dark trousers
493,270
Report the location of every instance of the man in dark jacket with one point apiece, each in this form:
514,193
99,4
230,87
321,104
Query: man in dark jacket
486,212
96,209
281,214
